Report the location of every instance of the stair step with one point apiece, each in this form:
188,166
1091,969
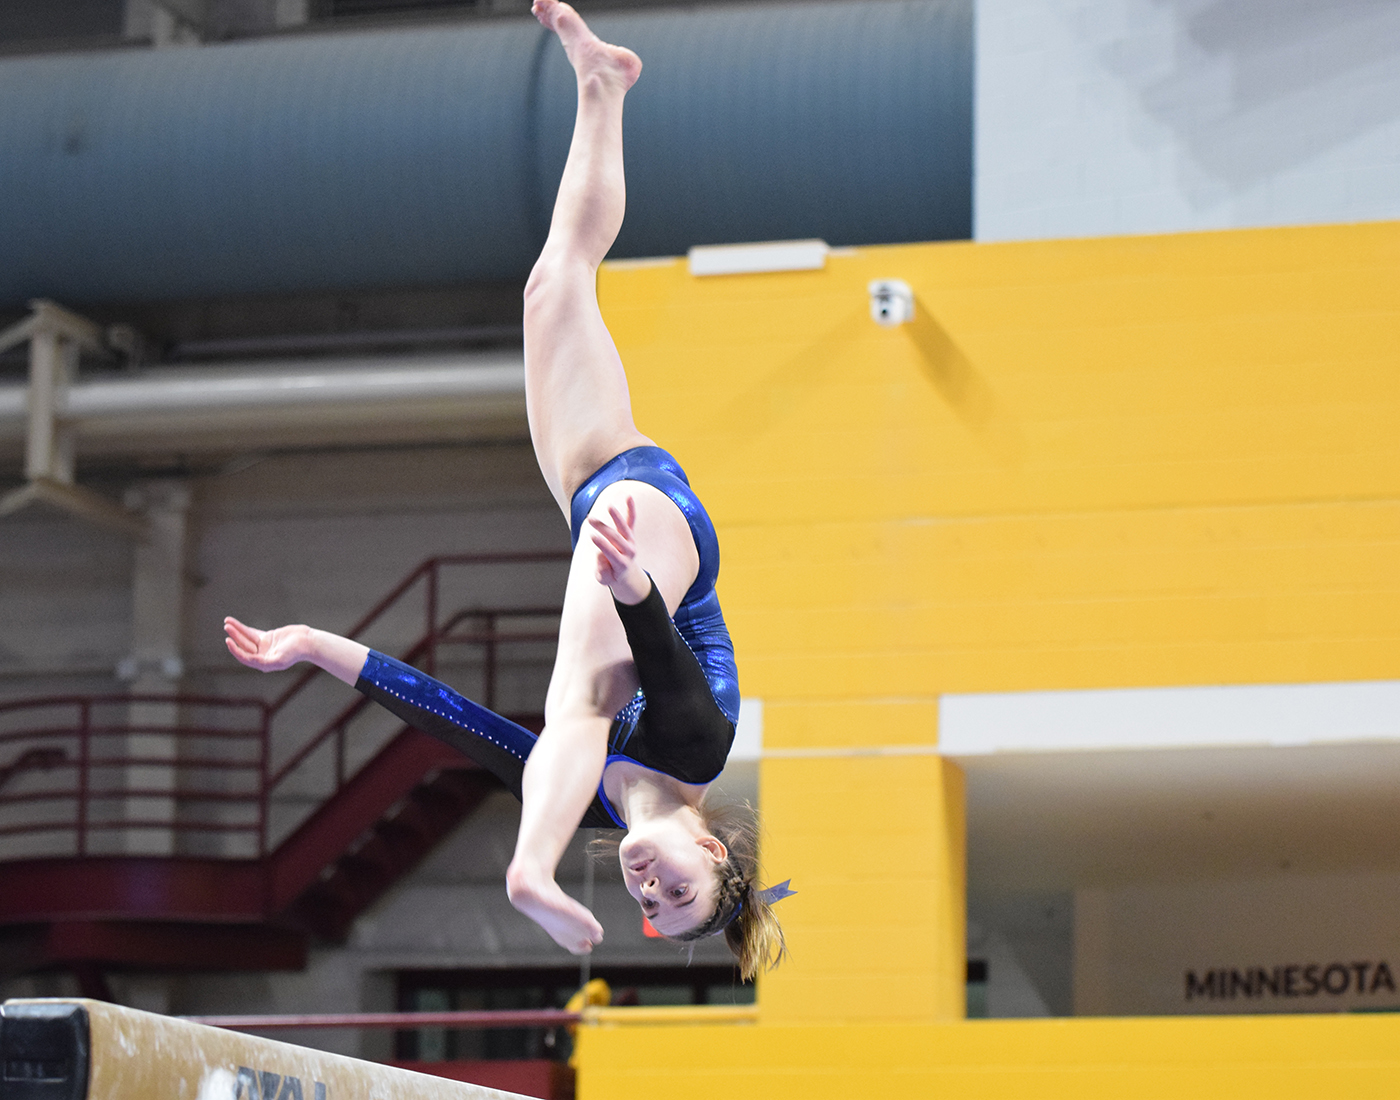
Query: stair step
392,847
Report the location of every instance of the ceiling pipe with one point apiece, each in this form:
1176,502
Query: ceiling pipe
220,408
431,156
359,341
206,408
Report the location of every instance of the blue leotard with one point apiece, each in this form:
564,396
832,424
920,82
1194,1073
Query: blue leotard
698,619
681,721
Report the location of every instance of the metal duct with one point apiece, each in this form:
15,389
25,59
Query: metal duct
204,408
431,156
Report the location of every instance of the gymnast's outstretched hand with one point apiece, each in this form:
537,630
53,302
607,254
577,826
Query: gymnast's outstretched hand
617,555
281,648
267,650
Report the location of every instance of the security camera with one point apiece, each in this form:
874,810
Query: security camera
891,302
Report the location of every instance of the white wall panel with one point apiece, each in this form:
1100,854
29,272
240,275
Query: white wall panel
1104,117
1168,718
1289,943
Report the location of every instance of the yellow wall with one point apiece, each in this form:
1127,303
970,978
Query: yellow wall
1121,462
1125,462
1229,1058
875,847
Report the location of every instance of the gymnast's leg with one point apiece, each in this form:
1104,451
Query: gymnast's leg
580,417
576,391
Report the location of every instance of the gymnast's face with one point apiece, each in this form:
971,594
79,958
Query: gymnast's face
670,870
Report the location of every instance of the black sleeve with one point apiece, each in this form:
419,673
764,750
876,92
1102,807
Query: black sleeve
686,734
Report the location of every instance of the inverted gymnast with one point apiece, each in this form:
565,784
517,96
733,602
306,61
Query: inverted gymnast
640,713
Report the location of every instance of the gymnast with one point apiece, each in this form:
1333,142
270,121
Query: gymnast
640,712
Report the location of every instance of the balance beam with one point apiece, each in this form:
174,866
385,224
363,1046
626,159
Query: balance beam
88,1050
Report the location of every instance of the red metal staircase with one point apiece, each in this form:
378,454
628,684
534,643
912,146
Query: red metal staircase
190,782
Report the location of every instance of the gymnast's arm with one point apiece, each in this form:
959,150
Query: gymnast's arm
676,689
497,744
275,650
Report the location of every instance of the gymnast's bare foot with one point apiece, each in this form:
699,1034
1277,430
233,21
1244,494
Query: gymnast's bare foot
588,54
540,898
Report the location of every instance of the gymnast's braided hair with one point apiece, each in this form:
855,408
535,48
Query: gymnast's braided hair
741,912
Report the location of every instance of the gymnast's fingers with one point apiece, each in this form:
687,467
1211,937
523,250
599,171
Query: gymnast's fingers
620,532
249,646
625,522
245,634
615,539
236,642
609,553
620,523
242,656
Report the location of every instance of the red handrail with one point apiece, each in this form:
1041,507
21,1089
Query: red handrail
400,589
424,649
91,744
84,768
113,699
79,788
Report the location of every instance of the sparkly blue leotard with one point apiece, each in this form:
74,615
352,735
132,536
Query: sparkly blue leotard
698,619
681,721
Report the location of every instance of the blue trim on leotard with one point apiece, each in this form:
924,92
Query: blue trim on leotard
698,619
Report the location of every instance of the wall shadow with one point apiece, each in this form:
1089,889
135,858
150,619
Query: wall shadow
962,386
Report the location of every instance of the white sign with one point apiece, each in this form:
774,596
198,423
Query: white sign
1324,943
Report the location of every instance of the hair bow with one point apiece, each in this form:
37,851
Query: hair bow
777,893
768,896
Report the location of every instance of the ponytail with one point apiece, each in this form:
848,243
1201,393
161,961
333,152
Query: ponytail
741,912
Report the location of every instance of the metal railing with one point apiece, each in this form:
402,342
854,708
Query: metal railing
180,767
426,583
91,766
649,1016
